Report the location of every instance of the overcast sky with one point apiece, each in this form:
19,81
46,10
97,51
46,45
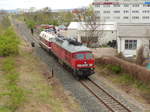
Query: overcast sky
53,4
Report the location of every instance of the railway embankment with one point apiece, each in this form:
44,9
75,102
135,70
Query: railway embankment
131,78
26,84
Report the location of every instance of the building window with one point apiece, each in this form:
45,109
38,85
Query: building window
106,12
135,11
135,17
98,18
116,5
97,5
117,17
145,17
125,17
126,11
126,5
130,44
135,5
149,44
117,11
106,5
146,11
106,17
97,12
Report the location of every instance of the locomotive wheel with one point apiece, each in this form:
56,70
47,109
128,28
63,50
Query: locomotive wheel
76,76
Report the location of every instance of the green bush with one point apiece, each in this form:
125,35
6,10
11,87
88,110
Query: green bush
9,43
8,65
114,69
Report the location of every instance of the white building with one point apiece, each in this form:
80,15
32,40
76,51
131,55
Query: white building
123,11
79,31
131,37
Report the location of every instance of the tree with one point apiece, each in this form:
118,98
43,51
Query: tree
140,56
91,26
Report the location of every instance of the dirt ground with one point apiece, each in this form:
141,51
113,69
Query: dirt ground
99,52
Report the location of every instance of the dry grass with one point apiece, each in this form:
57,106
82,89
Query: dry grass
42,95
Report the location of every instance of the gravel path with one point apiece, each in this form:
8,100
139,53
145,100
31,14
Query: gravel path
87,101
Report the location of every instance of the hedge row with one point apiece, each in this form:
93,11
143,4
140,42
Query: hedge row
9,43
136,71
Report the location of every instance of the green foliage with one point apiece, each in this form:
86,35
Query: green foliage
30,23
5,22
45,16
126,78
8,65
4,109
9,43
114,68
16,94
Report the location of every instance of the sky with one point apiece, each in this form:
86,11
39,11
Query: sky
53,4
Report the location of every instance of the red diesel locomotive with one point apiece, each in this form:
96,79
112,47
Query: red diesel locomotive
71,53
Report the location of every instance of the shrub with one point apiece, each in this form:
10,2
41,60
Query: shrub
116,69
140,56
136,71
9,43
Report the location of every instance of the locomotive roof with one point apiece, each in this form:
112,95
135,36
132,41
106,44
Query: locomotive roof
64,43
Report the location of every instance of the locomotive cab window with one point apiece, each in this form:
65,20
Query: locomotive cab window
89,56
79,56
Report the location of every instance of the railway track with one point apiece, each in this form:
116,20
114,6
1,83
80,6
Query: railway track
104,97
112,104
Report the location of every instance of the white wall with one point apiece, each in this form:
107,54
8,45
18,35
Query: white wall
107,36
140,42
103,39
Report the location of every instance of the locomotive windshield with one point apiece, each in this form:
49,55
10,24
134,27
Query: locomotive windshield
79,56
89,56
84,56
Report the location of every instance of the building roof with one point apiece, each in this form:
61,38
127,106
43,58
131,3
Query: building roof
134,30
85,26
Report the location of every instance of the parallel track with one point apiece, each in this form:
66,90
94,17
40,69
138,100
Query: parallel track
104,97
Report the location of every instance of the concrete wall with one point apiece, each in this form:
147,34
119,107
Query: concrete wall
103,38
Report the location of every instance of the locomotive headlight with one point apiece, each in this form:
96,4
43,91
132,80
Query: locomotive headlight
90,64
82,65
79,65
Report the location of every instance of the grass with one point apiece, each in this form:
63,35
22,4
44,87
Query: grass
126,81
23,87
9,41
15,93
40,94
